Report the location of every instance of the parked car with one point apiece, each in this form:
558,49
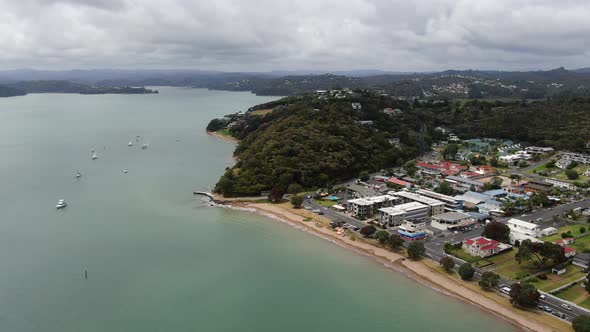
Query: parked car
355,228
505,290
546,308
316,211
566,307
559,314
542,296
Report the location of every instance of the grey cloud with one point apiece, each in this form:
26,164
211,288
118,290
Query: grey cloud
304,34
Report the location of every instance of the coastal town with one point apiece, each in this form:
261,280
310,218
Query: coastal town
502,213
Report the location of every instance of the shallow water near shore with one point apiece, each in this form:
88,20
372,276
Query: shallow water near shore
159,259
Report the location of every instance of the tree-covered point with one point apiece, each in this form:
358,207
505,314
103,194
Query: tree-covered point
315,143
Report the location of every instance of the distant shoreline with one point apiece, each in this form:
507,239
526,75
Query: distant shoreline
223,136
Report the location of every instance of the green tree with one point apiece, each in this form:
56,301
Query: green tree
466,271
524,294
382,236
294,188
448,248
540,253
447,263
497,231
364,176
410,168
587,283
276,194
445,188
572,174
416,250
582,230
297,201
550,164
581,323
450,151
395,241
368,230
489,280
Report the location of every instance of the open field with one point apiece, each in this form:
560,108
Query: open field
323,202
554,281
506,265
461,254
574,229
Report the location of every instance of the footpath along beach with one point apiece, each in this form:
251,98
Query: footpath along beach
424,271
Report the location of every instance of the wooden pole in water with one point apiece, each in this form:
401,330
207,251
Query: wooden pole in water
85,274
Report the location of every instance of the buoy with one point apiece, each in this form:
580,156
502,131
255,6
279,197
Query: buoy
125,171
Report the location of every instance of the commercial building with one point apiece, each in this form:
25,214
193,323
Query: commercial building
450,202
452,220
465,183
367,206
395,215
539,150
435,206
561,184
483,247
471,199
412,230
580,158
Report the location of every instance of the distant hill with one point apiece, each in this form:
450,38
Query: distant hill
23,88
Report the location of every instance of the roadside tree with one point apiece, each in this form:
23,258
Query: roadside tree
447,263
524,294
395,241
581,323
489,280
382,236
368,230
294,188
276,194
364,176
416,250
297,201
466,271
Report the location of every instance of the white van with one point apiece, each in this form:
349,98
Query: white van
505,290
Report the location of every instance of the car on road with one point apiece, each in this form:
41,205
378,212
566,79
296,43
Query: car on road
355,228
316,211
542,296
566,307
505,290
546,308
559,314
307,207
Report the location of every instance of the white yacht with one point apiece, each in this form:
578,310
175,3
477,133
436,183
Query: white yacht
130,143
61,204
94,156
78,175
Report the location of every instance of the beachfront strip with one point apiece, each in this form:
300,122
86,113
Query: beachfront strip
533,208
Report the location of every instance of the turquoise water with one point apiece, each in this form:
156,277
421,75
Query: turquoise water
157,258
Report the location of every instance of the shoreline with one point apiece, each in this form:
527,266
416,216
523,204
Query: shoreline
223,137
419,271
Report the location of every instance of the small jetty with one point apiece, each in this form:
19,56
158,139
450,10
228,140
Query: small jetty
204,193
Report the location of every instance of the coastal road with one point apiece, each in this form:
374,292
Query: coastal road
334,215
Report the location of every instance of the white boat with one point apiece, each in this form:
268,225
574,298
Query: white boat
130,143
61,204
94,156
125,171
78,174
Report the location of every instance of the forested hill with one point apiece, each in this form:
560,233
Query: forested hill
25,87
316,142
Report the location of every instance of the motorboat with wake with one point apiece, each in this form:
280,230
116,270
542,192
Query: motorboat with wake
61,204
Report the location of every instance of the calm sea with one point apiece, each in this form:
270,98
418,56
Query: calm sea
157,258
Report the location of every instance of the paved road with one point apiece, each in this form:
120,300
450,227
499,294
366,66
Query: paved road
334,215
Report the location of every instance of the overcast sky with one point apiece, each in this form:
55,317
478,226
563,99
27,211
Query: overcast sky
254,35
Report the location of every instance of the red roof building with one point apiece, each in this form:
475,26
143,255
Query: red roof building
399,182
483,247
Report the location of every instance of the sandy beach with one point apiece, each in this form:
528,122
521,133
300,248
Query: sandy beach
223,137
424,272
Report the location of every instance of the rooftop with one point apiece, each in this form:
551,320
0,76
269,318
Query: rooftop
416,197
403,208
452,216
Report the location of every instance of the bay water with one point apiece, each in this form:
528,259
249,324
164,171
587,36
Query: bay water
157,258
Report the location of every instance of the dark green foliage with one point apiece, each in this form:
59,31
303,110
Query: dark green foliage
567,234
276,195
489,280
540,253
587,283
445,188
368,230
395,241
497,231
582,230
416,250
466,271
572,174
297,201
581,323
447,263
524,294
364,176
382,236
216,124
450,151
294,188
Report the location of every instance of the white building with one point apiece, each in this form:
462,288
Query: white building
549,231
367,206
539,150
356,106
436,206
561,184
395,215
412,230
521,230
452,220
451,203
580,158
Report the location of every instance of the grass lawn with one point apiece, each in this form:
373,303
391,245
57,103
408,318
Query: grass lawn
539,168
460,253
326,203
261,112
506,265
554,281
577,295
574,229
